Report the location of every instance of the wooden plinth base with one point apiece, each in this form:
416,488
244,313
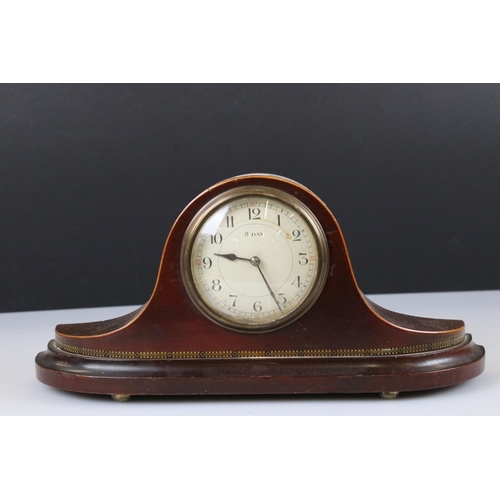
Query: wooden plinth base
375,374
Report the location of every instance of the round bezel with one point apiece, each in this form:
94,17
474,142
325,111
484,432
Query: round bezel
241,324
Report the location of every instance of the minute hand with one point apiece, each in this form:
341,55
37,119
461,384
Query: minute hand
269,288
255,261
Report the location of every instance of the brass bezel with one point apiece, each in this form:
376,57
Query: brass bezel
244,191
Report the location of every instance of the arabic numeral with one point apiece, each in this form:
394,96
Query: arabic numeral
257,307
297,282
303,260
216,238
216,286
254,213
234,301
207,262
296,235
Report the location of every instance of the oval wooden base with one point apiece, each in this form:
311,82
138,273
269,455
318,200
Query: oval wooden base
374,374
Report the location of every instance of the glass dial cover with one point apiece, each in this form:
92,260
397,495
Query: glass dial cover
254,259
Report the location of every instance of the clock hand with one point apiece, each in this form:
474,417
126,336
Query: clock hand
230,256
255,261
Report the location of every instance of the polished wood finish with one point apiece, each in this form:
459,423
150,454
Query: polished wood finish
344,343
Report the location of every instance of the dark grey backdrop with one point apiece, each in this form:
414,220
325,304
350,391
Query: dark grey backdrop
92,177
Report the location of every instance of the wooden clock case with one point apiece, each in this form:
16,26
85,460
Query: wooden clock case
343,344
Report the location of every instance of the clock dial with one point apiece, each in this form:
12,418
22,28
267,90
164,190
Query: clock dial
255,260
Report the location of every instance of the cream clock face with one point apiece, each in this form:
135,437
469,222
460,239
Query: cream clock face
255,259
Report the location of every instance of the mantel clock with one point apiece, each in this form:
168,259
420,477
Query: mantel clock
256,295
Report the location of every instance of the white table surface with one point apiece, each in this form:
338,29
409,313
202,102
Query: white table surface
23,335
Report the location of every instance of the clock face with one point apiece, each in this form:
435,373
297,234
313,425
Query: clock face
254,259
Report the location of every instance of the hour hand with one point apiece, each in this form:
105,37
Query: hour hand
230,256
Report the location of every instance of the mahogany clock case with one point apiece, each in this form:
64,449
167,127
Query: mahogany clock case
344,343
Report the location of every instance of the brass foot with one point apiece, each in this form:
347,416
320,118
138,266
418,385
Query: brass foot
120,397
389,395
